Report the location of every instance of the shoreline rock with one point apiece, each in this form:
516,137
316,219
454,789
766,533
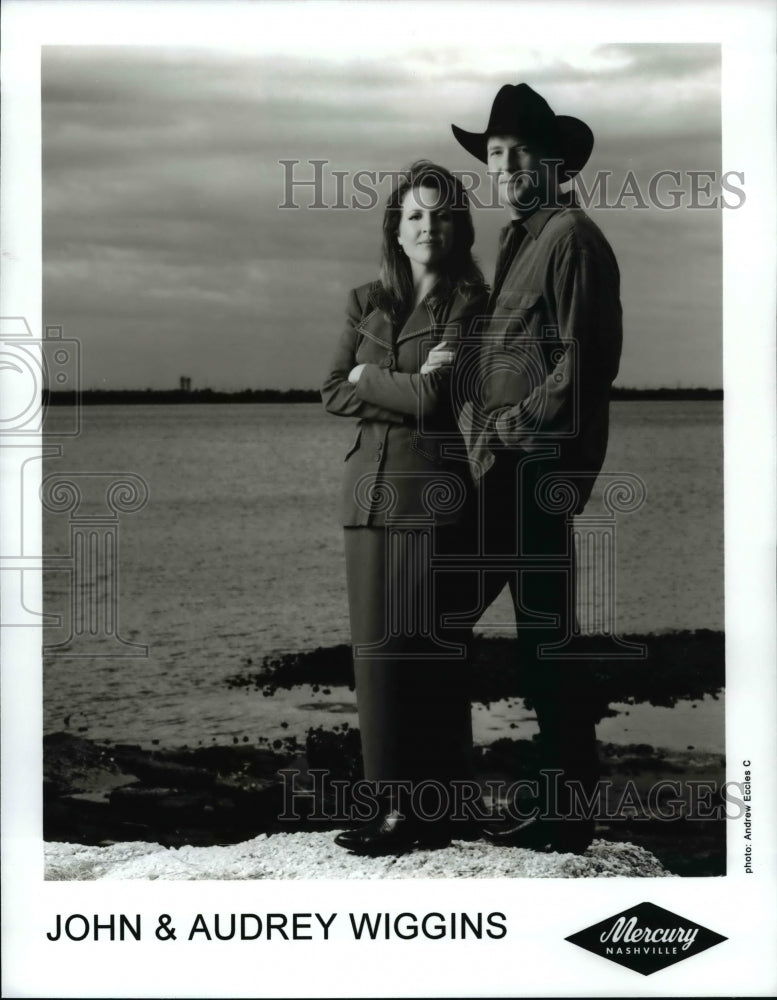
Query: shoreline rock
213,797
680,664
315,856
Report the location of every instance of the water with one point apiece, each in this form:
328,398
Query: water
238,554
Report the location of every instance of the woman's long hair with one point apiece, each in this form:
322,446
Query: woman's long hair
396,293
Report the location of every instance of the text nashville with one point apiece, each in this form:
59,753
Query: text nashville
630,933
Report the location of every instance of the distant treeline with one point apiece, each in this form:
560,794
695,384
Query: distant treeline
102,397
619,393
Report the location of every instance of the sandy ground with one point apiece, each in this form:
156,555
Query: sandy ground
315,856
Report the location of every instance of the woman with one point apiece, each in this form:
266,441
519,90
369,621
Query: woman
405,486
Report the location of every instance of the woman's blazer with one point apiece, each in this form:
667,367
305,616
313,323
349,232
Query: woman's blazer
407,463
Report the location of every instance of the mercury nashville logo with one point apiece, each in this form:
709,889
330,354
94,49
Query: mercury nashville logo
646,938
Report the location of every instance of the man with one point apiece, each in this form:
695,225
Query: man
533,391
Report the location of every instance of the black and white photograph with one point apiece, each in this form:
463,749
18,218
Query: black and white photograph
388,499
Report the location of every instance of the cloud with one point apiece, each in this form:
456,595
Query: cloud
162,181
664,61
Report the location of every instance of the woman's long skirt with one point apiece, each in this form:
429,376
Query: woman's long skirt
410,664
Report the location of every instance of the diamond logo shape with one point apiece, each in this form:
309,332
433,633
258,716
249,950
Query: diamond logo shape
646,938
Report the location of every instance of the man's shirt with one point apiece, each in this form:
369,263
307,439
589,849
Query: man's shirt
537,371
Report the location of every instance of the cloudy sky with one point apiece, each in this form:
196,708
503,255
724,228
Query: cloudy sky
166,252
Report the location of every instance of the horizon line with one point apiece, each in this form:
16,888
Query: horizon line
208,390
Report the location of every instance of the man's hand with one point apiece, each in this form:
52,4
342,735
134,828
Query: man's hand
440,356
355,373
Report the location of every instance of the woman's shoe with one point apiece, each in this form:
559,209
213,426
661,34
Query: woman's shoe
393,833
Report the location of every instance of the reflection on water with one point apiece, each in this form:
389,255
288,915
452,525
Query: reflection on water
238,554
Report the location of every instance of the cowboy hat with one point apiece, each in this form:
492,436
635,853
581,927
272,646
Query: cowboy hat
519,110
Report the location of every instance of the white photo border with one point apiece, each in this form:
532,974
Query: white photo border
533,959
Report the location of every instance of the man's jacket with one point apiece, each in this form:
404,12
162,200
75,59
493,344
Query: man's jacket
548,354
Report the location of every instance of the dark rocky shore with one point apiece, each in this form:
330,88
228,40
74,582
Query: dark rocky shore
676,665
101,793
